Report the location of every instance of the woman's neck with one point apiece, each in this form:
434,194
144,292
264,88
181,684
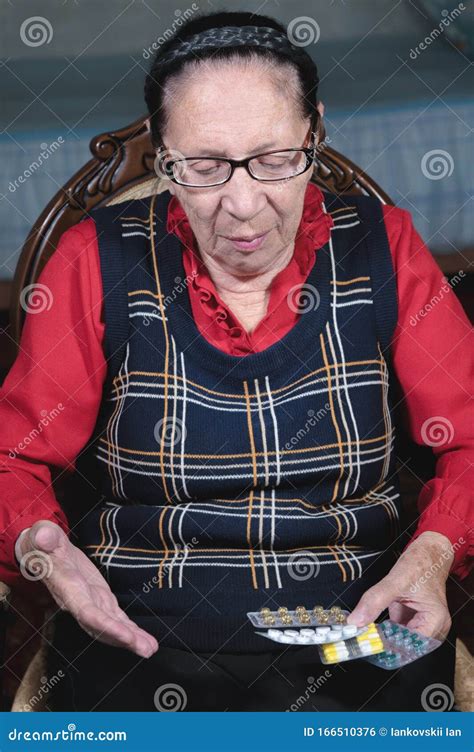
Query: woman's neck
247,297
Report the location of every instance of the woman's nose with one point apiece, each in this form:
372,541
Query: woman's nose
244,197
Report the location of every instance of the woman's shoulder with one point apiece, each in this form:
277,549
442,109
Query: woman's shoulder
73,270
80,236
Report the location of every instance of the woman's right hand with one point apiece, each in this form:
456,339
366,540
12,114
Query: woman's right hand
77,586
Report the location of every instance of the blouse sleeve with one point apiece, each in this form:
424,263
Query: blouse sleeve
433,357
49,400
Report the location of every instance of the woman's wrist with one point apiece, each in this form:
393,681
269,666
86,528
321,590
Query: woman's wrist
434,551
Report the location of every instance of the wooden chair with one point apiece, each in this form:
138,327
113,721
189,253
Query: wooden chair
122,168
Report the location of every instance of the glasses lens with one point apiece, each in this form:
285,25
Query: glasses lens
201,171
278,165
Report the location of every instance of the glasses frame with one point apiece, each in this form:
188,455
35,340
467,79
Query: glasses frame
309,152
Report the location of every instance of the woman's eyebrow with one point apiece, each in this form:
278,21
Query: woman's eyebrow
219,153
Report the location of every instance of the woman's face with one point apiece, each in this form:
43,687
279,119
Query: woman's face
237,112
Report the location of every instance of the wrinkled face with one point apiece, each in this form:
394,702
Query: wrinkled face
237,112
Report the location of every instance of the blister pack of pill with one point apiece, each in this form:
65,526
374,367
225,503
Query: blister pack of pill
388,645
367,643
401,646
298,617
316,626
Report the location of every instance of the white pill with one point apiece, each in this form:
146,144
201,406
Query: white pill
350,630
318,638
291,632
274,633
286,638
303,639
336,628
307,632
323,630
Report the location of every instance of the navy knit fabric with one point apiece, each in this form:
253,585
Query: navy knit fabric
230,483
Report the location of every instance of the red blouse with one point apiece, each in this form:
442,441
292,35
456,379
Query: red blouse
50,398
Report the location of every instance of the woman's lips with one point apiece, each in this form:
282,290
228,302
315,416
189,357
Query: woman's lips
248,245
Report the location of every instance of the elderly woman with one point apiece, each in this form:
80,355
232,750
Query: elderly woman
227,356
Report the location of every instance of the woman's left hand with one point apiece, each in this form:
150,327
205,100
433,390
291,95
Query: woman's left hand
414,591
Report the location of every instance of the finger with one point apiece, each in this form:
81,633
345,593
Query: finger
372,603
108,602
154,644
431,625
45,535
115,635
400,612
106,626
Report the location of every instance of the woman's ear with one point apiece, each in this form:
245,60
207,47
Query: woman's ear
320,108
147,124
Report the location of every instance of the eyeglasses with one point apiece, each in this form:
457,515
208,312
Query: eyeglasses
199,172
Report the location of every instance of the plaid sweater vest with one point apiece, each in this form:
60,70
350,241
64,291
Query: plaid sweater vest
224,483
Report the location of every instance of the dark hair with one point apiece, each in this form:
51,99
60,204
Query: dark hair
159,73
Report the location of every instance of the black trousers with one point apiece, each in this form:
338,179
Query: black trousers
91,676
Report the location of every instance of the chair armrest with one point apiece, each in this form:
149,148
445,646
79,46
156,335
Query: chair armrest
5,593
